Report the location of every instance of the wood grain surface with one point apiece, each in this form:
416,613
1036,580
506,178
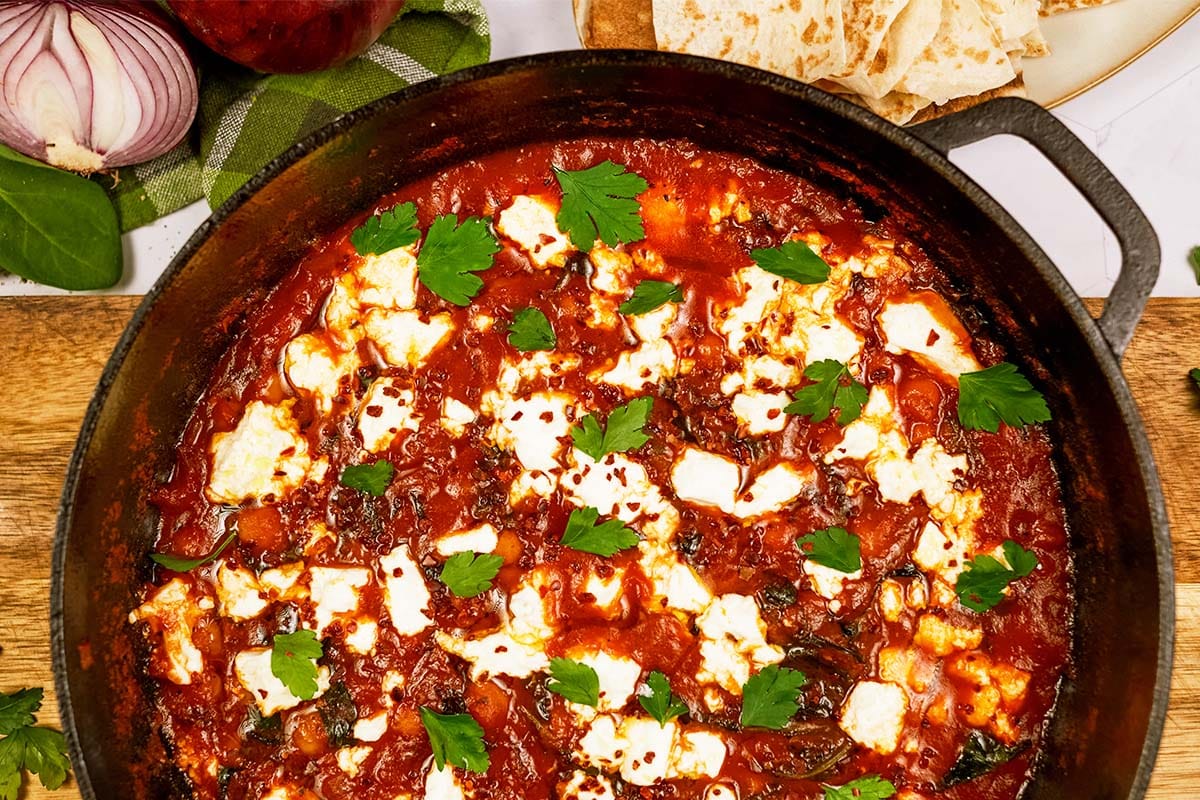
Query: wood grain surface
54,348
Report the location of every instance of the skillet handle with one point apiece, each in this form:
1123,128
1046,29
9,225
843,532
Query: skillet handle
1140,254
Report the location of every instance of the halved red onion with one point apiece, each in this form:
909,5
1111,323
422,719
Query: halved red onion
91,85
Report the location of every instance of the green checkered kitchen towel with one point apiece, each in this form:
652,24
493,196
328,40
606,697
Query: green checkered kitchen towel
245,118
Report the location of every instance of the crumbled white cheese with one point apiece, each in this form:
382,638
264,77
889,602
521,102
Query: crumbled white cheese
772,490
388,279
443,784
279,583
238,593
744,319
313,367
733,642
404,338
926,329
616,486
362,639
941,638
264,455
516,373
606,591
334,592
699,754
174,611
931,471
674,582
531,484
647,365
645,752
653,325
942,551
480,539
648,748
583,786
618,676
829,338
873,715
519,647
829,582
760,371
405,594
613,270
386,409
529,220
760,412
535,428
253,669
456,416
350,759
706,479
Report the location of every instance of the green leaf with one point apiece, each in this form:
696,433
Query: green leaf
661,703
17,710
181,564
600,201
649,295
468,574
996,394
870,787
833,547
456,739
451,253
622,432
294,662
793,260
577,682
980,586
834,387
10,773
370,478
387,230
605,539
530,330
769,698
56,228
45,754
1194,260
980,754
1194,374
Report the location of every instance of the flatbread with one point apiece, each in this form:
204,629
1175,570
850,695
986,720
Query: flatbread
1050,7
865,23
801,39
966,57
1012,20
910,33
1014,88
616,23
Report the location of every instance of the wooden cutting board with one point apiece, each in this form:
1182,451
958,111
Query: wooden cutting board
54,349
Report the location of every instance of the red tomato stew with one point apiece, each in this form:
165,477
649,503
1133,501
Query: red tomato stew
611,469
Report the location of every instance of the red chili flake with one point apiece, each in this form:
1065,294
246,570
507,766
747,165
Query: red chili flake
374,411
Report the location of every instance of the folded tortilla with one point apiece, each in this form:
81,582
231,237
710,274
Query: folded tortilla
966,57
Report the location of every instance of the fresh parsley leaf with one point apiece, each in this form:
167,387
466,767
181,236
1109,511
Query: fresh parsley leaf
622,432
600,202
180,564
833,387
17,710
456,739
793,260
469,574
387,230
870,787
649,295
769,697
833,547
605,539
980,586
661,703
294,662
980,755
577,682
370,478
999,393
530,330
1194,260
451,252
1194,374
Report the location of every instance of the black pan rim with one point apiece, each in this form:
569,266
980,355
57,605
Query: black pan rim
583,59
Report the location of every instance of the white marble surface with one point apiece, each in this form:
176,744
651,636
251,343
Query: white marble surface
1144,123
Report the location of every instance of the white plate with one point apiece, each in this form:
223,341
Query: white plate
1092,44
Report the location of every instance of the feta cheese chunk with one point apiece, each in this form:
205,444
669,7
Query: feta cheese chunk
706,479
388,280
456,416
772,490
405,594
644,752
334,592
645,366
518,648
481,539
761,412
582,786
314,368
733,642
264,455
404,338
534,428
386,409
618,677
443,784
173,611
239,595
616,486
350,759
529,221
829,582
927,329
253,670
873,715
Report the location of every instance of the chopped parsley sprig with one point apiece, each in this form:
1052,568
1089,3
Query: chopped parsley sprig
575,681
294,662
450,255
387,230
622,430
372,479
980,586
600,202
999,394
769,698
794,260
531,330
833,547
38,751
181,564
661,703
833,387
609,537
869,787
470,574
649,295
456,739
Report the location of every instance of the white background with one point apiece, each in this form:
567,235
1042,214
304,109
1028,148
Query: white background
1144,123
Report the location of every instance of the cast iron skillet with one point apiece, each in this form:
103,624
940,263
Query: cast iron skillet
1102,740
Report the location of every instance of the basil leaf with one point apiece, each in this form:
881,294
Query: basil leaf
56,228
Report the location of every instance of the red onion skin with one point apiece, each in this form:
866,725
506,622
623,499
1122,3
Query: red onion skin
292,37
